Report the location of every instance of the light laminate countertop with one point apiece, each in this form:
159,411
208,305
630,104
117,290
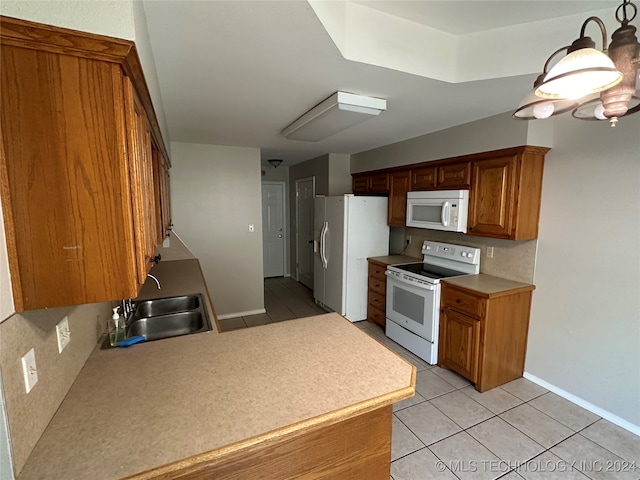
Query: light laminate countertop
158,406
394,259
487,285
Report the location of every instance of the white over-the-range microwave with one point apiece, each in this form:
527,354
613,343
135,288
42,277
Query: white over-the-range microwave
438,210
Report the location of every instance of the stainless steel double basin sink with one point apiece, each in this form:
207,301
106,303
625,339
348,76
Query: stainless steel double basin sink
168,317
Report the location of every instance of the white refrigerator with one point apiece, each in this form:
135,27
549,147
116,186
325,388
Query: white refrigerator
347,230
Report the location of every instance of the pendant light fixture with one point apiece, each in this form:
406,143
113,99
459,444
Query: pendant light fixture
575,81
533,107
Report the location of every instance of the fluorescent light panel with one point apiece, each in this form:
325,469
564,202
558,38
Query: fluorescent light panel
338,112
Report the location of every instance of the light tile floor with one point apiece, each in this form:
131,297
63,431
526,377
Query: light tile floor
448,430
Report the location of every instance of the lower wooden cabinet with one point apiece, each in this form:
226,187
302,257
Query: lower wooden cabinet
459,343
376,306
483,336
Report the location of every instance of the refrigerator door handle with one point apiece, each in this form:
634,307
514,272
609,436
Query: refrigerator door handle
323,234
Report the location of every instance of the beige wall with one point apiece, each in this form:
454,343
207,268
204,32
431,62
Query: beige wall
339,174
585,325
584,336
215,195
491,133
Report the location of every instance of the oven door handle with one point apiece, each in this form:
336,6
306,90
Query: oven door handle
444,214
398,278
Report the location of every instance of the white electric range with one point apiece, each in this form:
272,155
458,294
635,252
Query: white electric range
413,295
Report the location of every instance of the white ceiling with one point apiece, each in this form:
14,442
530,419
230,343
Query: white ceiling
238,72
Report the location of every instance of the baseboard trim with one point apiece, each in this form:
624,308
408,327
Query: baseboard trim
241,314
621,422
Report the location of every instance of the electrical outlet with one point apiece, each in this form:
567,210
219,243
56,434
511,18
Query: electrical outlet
489,252
29,370
64,334
408,239
252,228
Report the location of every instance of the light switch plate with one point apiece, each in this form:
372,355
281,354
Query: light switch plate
252,228
29,370
64,334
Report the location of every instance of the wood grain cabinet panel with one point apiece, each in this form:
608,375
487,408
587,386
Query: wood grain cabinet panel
483,337
399,186
360,183
455,176
423,178
379,183
376,299
505,194
458,343
76,169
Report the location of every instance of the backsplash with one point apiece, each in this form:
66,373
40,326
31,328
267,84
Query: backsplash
513,260
29,414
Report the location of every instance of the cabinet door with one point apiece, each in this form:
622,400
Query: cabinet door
63,179
459,343
360,183
454,176
491,206
379,183
423,178
399,186
141,170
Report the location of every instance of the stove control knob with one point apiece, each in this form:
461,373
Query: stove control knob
464,254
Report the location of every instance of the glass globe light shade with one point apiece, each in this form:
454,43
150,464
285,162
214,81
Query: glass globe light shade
580,73
543,110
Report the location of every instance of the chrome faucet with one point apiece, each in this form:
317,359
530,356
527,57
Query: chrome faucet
155,279
127,307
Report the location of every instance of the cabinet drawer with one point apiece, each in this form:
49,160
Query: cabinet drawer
376,315
377,300
461,301
377,271
378,285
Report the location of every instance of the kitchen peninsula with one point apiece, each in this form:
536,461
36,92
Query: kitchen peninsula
306,395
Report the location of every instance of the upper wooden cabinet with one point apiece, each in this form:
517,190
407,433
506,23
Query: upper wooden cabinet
454,176
504,189
377,183
76,166
423,178
397,211
505,194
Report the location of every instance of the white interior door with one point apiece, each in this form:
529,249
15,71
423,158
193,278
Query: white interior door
305,193
273,234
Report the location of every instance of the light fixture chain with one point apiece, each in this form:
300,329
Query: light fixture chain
624,20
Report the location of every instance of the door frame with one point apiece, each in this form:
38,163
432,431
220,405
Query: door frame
285,222
313,194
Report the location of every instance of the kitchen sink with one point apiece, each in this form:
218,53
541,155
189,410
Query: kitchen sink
167,317
164,306
168,325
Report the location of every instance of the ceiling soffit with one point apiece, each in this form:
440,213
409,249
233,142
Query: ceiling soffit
367,35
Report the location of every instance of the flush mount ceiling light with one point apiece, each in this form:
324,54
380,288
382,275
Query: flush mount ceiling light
334,114
586,71
275,162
